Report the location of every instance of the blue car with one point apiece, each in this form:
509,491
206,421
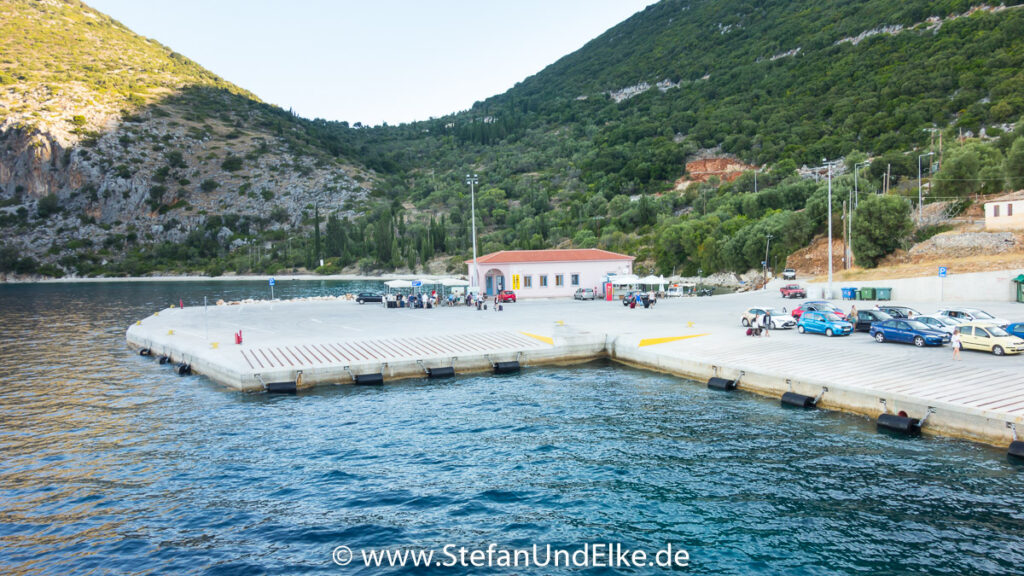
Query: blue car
1016,329
909,331
825,323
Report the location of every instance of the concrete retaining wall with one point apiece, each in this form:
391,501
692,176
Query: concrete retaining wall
981,286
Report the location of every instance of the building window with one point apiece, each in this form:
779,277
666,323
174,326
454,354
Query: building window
559,280
1009,209
575,279
543,280
527,281
995,210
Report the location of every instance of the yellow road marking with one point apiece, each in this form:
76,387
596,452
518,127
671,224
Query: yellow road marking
546,339
653,341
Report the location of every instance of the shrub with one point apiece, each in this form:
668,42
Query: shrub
232,163
48,205
209,185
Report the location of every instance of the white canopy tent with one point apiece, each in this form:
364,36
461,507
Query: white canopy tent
394,284
447,282
625,280
653,280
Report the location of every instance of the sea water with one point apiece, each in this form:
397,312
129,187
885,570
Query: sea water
111,464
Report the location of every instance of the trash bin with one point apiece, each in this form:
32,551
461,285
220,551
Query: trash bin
849,293
867,293
883,293
856,294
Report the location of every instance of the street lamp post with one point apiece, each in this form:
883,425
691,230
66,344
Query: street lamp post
473,181
765,265
856,189
920,195
700,278
829,164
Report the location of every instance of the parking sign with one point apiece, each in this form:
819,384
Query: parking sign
942,271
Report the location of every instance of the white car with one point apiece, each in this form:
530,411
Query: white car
972,315
939,322
780,318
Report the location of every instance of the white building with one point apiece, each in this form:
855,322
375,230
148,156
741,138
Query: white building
548,273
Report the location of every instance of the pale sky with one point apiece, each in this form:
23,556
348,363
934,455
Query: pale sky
372,61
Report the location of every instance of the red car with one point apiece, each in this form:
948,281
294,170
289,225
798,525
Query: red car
506,296
817,306
793,291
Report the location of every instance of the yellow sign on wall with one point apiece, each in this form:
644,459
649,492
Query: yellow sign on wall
515,281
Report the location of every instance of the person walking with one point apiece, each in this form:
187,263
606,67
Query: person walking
954,341
766,320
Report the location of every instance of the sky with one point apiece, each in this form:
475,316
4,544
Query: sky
372,61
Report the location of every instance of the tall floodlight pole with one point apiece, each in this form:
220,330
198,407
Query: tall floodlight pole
856,189
765,266
920,195
829,164
473,181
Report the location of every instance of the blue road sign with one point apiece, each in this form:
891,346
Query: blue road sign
271,281
417,283
942,271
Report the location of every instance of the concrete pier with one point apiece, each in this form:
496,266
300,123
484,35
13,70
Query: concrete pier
312,343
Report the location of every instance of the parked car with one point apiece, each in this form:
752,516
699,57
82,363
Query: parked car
909,331
817,306
988,337
506,296
793,291
973,315
865,318
943,323
1016,329
789,274
369,297
898,311
780,319
585,294
826,323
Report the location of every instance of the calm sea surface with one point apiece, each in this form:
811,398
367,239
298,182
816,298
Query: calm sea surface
110,464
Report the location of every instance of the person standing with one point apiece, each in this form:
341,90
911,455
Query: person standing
954,341
765,324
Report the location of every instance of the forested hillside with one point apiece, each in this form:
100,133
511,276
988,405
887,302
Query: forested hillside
587,152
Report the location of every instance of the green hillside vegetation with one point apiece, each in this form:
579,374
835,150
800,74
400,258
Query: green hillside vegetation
563,163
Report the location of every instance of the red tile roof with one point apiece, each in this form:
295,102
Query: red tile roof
574,255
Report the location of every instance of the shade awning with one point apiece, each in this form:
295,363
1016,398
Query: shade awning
625,280
453,282
1019,279
398,284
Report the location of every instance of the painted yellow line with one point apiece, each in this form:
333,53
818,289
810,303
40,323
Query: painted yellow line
546,339
653,341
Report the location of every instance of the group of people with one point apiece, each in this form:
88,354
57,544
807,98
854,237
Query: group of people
760,325
645,299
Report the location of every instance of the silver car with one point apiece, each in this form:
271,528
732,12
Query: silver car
585,294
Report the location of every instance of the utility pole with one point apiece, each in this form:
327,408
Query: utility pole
920,196
473,181
829,164
765,264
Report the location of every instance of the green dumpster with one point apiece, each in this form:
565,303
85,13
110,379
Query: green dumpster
867,293
883,293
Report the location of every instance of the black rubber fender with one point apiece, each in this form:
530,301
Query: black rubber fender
1016,450
717,383
282,388
506,367
899,424
164,360
370,379
797,400
443,372
183,369
145,352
